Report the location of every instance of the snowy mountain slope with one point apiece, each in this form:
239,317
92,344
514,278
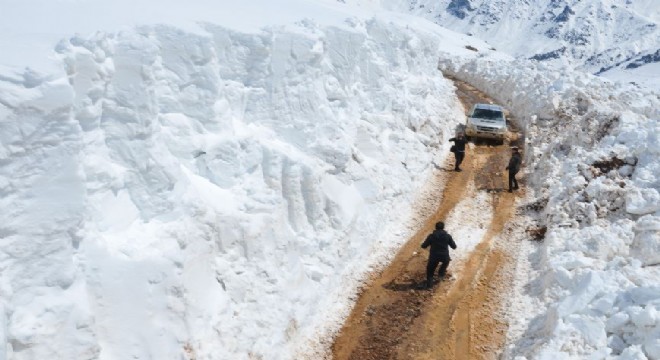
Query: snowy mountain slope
614,38
213,194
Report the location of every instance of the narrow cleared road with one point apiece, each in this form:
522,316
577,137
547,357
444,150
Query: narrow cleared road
461,317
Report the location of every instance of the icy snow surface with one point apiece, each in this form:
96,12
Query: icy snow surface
215,182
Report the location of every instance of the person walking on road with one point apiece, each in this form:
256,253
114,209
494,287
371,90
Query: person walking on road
459,149
439,241
514,167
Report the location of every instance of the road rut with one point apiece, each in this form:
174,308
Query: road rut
461,317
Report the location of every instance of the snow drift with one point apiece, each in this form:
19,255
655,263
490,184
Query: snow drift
211,194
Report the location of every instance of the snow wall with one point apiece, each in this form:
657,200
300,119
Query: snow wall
212,195
593,166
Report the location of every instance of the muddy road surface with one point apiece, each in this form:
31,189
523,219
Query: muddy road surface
462,316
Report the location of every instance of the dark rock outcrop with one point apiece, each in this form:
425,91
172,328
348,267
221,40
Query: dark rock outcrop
460,8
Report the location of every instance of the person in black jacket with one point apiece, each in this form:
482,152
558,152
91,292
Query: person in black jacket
439,241
514,167
459,150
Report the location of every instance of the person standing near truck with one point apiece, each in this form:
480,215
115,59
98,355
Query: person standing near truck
514,167
439,241
459,150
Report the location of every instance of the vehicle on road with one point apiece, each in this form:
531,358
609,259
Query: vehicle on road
486,121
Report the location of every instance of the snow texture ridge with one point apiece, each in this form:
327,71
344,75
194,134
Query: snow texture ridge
208,196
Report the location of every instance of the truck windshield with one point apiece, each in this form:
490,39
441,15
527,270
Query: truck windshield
487,114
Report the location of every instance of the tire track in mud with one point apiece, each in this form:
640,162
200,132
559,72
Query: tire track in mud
385,312
458,319
460,323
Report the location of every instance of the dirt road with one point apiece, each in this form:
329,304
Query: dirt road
461,317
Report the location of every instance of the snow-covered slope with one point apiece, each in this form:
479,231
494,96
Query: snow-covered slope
619,39
215,194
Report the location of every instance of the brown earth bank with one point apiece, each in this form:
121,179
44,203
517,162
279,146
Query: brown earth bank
462,316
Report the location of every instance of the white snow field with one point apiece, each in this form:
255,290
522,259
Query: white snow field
214,180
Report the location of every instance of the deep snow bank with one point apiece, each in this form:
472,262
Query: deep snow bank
593,164
209,195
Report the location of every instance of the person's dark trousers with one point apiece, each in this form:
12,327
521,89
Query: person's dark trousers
459,159
513,183
443,268
430,269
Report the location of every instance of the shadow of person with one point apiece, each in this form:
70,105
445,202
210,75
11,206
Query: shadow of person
405,285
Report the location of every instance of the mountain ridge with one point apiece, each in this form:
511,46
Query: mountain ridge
593,36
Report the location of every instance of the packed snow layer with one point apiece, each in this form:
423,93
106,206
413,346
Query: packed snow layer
593,165
214,194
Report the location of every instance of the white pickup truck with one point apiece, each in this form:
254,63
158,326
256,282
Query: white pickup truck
486,121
